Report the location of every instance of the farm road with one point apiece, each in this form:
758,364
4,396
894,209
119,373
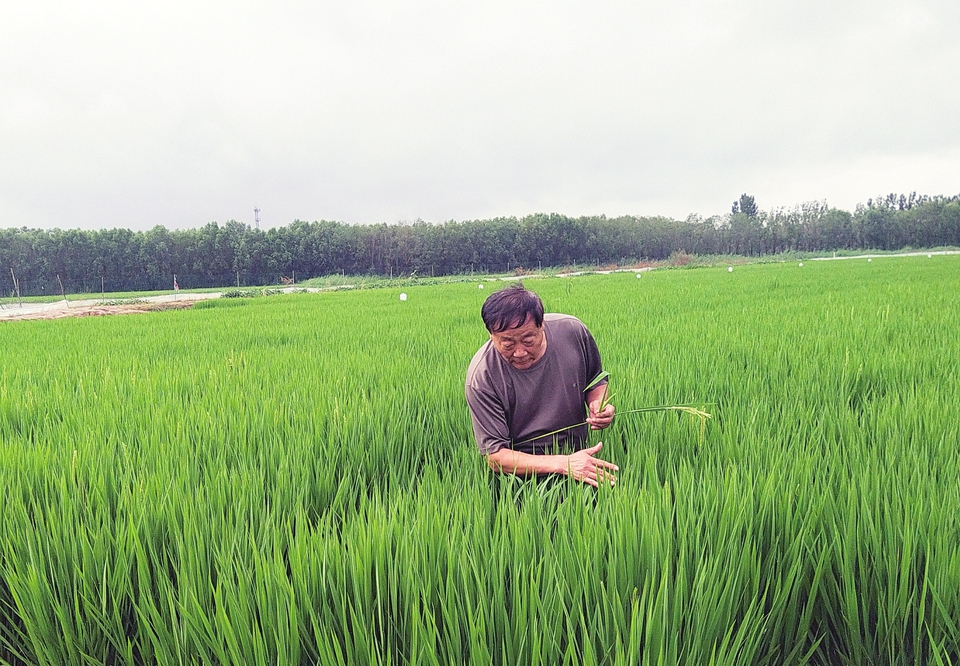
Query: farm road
880,256
96,306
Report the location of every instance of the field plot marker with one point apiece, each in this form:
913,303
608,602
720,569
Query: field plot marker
62,293
16,287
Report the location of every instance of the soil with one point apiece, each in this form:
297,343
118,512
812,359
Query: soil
92,310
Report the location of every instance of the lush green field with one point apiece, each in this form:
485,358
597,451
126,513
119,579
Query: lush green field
293,480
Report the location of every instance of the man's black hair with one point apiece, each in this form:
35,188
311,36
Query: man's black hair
510,307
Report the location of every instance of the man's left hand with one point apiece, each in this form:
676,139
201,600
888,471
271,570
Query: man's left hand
598,419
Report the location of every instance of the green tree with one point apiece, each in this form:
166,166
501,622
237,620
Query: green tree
746,205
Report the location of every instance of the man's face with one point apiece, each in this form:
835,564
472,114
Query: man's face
522,346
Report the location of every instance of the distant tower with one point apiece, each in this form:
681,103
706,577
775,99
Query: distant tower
256,216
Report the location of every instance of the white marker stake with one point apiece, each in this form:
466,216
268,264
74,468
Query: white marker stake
403,297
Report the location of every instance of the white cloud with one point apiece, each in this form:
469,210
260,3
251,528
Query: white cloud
182,113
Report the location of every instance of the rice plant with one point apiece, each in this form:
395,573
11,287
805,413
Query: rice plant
294,481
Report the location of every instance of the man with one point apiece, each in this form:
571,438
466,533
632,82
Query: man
530,380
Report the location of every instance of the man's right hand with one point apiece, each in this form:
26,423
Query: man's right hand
584,467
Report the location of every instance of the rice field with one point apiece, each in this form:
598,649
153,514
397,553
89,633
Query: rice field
293,480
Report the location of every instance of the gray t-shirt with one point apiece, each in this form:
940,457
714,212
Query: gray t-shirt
510,406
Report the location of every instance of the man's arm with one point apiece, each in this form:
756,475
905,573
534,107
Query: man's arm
581,465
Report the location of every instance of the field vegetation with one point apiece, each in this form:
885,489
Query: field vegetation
292,480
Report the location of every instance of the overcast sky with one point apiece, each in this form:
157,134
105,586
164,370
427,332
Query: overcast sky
128,114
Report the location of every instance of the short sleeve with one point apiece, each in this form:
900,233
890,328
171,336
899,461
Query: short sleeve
591,355
490,428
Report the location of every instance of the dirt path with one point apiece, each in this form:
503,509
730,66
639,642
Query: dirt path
96,308
931,253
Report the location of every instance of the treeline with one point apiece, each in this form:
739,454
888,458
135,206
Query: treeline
216,256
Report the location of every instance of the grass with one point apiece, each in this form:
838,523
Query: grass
295,481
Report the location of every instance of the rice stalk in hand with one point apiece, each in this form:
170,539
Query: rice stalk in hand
605,398
690,408
596,381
